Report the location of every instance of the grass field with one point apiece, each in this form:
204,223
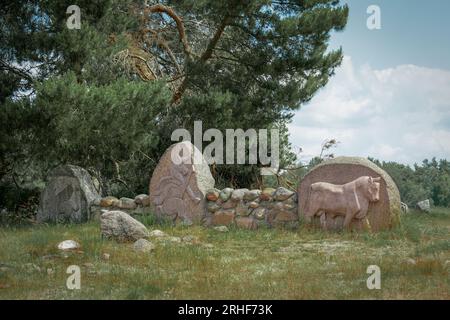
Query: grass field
266,264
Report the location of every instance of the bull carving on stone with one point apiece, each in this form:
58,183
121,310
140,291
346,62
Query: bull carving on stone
350,200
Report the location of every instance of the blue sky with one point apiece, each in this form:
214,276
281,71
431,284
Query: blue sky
390,99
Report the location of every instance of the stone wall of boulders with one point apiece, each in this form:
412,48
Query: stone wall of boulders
251,209
140,205
243,208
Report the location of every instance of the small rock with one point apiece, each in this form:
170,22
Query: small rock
212,207
266,194
411,261
212,194
259,213
251,195
253,205
223,217
221,228
242,209
238,194
68,245
157,234
127,203
190,239
424,205
143,200
109,202
106,256
225,194
143,245
173,239
282,194
228,204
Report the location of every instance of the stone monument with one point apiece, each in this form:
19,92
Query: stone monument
67,196
179,184
383,211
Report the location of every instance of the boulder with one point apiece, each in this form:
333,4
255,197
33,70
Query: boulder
251,195
246,223
225,194
179,184
424,205
223,217
266,194
238,194
142,200
382,214
127,203
282,194
122,227
212,194
68,195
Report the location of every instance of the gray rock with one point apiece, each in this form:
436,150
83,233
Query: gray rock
157,234
221,228
282,194
143,200
127,203
212,207
68,245
252,195
143,245
259,213
242,209
424,205
122,227
238,194
225,194
67,196
253,204
212,194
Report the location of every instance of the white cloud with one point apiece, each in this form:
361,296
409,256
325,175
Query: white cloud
397,114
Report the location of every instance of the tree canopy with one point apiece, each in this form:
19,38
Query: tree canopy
108,95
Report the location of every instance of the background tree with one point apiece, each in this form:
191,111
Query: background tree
107,96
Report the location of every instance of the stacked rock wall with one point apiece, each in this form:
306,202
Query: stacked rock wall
251,209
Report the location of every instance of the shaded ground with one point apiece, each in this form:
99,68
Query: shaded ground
266,264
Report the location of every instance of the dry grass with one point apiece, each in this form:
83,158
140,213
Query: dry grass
267,264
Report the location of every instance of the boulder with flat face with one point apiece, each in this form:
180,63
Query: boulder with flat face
67,196
381,214
120,226
180,183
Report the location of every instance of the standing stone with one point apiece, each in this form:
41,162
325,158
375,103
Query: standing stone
382,214
67,196
179,184
122,227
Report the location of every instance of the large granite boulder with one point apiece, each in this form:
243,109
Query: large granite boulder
380,214
67,196
179,184
120,226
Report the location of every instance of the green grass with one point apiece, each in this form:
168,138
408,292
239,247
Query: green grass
264,264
